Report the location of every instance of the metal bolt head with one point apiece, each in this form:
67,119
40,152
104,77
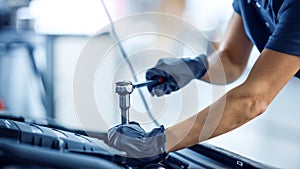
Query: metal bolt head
124,87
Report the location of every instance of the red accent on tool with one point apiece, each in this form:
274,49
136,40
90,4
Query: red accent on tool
161,80
2,107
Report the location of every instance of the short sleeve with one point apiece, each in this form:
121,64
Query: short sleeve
286,35
236,6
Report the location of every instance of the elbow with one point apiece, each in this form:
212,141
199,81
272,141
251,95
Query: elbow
256,106
234,74
249,106
233,70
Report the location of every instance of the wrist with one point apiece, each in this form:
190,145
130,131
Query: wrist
172,140
203,59
160,134
198,65
203,65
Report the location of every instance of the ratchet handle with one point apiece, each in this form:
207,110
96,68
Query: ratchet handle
149,82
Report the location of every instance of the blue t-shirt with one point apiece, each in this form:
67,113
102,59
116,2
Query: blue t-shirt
272,24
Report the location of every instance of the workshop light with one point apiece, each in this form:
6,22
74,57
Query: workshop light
67,16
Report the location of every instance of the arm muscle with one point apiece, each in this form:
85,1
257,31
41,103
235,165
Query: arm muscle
232,55
268,76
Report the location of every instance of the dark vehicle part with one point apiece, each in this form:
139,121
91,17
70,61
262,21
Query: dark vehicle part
26,144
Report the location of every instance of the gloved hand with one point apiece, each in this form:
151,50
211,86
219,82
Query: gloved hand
141,147
176,73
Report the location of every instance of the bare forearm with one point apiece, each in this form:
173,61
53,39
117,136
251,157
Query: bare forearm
228,113
221,69
268,76
231,57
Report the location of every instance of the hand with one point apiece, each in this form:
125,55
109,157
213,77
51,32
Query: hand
141,147
176,73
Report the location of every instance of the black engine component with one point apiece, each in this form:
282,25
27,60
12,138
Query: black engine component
31,145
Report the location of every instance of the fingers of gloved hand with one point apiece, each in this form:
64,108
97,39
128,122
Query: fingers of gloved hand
121,135
150,144
154,74
160,138
171,70
156,131
165,88
150,148
139,147
169,84
132,129
157,92
133,146
134,123
123,128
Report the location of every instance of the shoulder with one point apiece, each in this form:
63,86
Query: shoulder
236,6
288,7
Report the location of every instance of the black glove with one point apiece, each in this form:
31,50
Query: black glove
141,147
175,73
